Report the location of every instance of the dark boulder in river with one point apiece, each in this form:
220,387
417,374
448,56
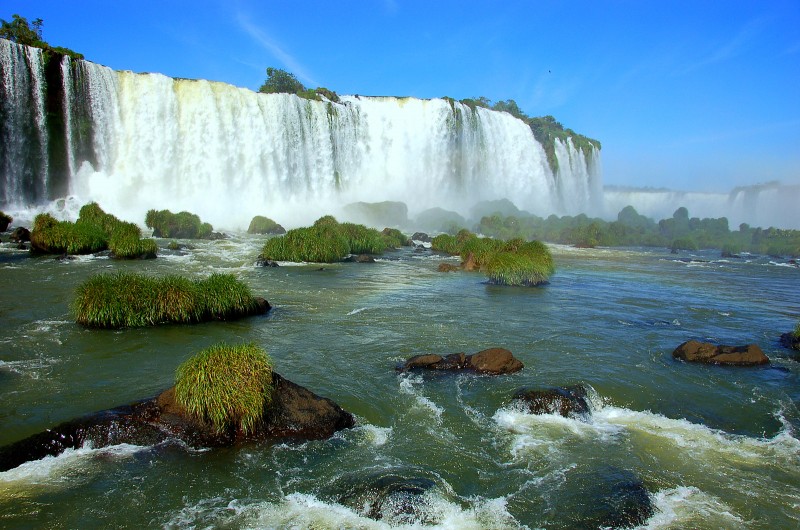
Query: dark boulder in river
294,413
20,235
704,352
570,401
494,361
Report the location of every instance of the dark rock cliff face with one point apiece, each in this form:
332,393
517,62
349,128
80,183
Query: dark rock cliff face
294,413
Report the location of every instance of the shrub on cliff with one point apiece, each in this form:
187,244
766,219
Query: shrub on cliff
264,225
123,300
226,386
181,225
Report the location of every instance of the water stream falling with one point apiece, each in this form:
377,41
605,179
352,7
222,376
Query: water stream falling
138,141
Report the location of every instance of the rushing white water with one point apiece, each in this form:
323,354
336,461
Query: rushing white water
229,153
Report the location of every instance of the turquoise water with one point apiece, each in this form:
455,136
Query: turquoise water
713,446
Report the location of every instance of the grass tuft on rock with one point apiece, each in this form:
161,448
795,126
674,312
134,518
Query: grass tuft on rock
226,386
181,225
327,241
512,262
94,231
394,238
129,300
5,220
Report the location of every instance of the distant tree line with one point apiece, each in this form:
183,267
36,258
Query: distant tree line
19,30
680,232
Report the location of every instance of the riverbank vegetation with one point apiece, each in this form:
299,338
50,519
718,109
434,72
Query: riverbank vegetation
181,225
680,232
511,262
329,241
94,231
226,386
128,300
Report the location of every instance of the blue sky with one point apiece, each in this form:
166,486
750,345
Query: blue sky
693,95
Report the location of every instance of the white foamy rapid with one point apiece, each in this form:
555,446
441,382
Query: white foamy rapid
229,153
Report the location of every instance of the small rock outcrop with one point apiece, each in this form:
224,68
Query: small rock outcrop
494,361
361,258
20,235
294,413
421,236
704,352
570,401
448,267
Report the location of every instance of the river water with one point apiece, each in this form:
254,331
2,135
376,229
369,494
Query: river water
715,447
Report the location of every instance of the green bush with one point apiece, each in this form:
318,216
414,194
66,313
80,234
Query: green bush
264,225
123,300
797,331
446,243
683,243
226,386
181,225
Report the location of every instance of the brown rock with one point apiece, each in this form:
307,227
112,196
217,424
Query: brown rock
495,361
469,264
448,267
704,352
20,235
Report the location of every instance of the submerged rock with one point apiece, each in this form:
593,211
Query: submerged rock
448,267
294,413
264,262
494,361
396,496
608,497
361,258
570,401
791,341
704,352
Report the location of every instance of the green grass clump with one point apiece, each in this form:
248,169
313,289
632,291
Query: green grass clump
127,300
797,331
182,225
327,241
394,238
94,231
226,386
362,240
62,237
683,243
513,268
264,225
512,262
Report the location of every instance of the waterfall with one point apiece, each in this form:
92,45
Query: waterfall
23,131
138,141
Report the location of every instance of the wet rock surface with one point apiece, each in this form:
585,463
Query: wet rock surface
704,352
295,413
493,361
